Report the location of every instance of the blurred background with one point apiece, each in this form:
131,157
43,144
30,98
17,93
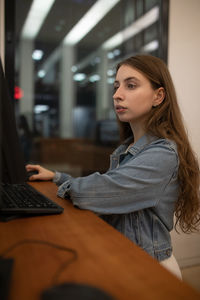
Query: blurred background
65,56
60,58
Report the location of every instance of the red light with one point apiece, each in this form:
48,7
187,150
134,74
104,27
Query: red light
19,93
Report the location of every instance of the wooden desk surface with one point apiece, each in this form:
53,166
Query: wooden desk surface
105,258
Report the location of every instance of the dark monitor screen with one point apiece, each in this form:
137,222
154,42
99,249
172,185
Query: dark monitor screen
12,167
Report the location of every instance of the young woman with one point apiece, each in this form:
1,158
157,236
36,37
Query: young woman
153,174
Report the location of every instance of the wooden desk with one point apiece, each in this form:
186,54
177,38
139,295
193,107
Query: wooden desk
105,258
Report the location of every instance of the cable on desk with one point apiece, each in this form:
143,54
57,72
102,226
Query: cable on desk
46,243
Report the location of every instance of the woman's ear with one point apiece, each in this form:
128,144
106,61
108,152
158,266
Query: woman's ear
159,96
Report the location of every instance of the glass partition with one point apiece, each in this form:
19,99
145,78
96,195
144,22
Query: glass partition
65,58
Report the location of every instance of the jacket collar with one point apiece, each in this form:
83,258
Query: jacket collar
136,147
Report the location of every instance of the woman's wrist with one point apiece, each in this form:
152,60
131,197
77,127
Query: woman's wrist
56,177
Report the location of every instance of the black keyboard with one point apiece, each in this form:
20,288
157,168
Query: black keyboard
24,199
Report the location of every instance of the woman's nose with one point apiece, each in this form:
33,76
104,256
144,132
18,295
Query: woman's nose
118,95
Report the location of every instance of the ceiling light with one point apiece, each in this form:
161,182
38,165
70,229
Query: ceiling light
89,21
40,108
41,74
152,46
74,68
37,54
36,16
110,80
94,78
110,55
116,52
143,22
79,77
110,72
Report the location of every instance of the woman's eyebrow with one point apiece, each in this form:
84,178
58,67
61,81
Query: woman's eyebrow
128,79
131,78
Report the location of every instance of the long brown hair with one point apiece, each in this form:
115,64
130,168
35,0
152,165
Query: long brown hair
165,120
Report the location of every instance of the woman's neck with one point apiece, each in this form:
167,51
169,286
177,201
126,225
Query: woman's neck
138,131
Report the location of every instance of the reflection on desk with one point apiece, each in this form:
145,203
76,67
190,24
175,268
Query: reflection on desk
79,247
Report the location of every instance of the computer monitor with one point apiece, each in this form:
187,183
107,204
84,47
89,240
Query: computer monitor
12,167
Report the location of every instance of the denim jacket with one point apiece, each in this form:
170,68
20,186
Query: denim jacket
136,195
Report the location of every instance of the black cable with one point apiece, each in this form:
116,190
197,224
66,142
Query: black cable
50,244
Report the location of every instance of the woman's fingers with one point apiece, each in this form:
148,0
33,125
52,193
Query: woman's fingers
42,173
30,167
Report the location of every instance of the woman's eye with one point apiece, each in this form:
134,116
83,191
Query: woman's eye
115,88
131,85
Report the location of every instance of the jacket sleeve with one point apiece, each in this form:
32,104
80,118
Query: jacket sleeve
134,185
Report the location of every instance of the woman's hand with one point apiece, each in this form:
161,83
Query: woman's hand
43,174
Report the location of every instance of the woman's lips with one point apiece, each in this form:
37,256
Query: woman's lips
120,109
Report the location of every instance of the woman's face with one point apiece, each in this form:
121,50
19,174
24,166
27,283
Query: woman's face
133,95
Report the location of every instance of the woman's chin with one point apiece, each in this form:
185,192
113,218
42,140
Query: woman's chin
124,119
